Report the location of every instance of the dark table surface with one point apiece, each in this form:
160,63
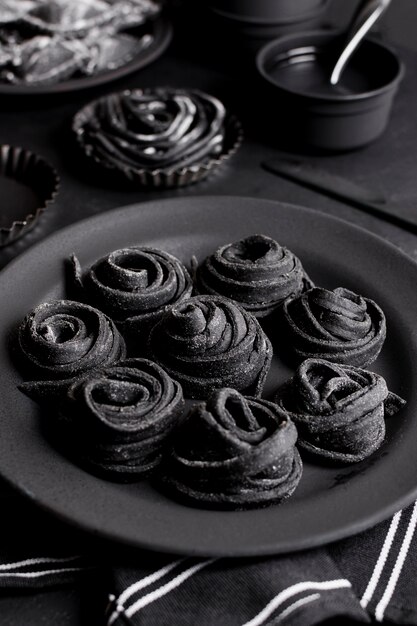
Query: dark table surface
389,166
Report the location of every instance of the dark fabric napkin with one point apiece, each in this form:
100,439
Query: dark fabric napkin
369,577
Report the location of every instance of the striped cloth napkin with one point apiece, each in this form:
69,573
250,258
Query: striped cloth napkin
369,577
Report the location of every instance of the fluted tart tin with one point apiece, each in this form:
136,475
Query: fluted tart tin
28,170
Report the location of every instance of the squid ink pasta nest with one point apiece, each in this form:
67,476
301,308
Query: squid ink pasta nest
234,452
339,410
256,272
208,342
134,286
336,325
158,138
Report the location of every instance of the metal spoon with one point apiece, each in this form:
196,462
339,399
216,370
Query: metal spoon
368,13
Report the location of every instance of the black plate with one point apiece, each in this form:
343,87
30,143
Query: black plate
162,34
329,503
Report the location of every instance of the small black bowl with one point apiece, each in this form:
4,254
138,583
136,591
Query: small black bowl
296,72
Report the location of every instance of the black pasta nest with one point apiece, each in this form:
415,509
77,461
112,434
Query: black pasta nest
234,452
158,138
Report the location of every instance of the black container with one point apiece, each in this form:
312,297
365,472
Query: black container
252,34
296,71
267,11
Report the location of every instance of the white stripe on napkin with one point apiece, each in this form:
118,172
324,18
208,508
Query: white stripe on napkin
296,605
162,591
284,595
37,561
41,572
396,572
382,559
148,580
140,584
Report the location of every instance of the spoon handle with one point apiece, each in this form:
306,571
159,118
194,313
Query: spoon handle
368,13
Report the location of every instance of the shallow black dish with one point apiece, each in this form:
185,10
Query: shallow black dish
296,73
161,31
329,503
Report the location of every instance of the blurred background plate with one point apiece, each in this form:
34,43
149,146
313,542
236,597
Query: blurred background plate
160,30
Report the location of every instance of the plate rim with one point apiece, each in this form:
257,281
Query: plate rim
166,546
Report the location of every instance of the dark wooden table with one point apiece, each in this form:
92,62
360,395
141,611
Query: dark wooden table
388,166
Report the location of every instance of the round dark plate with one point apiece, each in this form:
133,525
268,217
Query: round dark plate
330,503
162,33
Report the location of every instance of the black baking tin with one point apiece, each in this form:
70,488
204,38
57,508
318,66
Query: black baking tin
334,121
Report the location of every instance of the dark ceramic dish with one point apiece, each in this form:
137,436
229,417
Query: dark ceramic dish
296,71
330,502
